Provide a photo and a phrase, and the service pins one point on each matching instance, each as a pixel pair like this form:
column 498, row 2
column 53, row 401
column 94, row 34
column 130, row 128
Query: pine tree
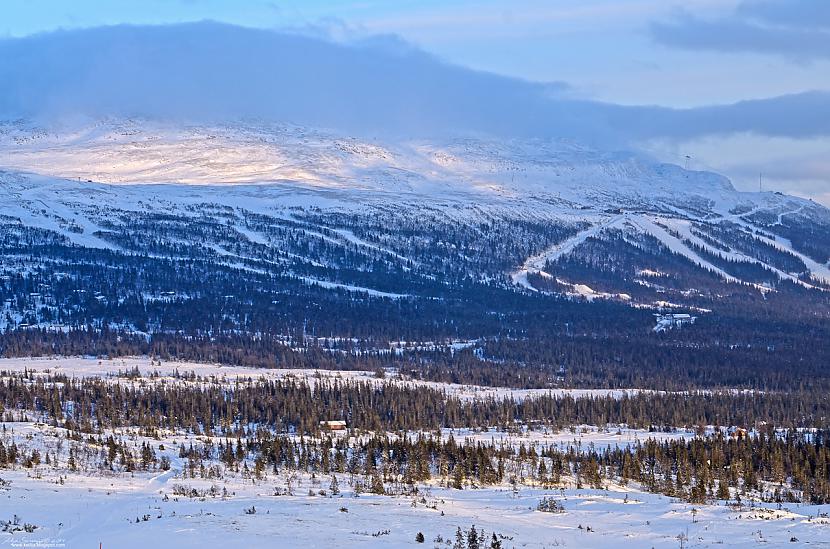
column 459, row 539
column 472, row 538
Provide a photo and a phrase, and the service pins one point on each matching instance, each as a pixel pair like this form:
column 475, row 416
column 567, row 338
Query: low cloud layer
column 212, row 71
column 806, row 14
column 795, row 29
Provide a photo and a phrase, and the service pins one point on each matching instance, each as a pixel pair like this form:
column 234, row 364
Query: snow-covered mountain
column 385, row 219
column 480, row 170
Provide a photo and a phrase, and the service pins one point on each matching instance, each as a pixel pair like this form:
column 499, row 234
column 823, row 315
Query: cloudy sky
column 741, row 86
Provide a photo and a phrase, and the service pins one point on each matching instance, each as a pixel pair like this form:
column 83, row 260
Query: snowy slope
column 153, row 152
column 60, row 178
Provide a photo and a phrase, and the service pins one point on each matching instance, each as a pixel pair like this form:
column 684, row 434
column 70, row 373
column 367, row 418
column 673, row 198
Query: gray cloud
column 801, row 115
column 796, row 29
column 211, row 71
column 805, row 14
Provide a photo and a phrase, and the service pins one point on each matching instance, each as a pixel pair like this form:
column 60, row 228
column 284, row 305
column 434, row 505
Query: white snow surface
column 88, row 510
column 275, row 164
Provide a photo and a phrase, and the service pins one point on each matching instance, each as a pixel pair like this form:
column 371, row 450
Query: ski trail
column 536, row 263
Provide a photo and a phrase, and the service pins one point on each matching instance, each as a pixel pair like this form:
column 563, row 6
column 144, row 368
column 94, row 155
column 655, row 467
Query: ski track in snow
column 537, row 263
column 351, row 288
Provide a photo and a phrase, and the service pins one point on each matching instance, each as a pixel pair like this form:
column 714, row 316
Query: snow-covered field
column 85, row 512
column 93, row 367
column 88, row 507
column 141, row 510
column 582, row 438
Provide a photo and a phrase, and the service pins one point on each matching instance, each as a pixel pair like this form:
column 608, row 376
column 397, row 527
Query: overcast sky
column 742, row 86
